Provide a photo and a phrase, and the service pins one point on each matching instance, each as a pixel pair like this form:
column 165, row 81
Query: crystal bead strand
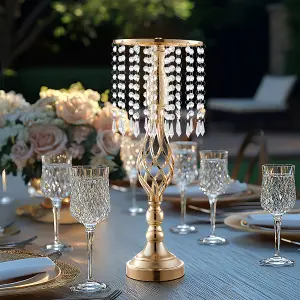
column 178, row 89
column 121, row 88
column 130, row 86
column 147, row 63
column 166, row 113
column 170, row 74
column 152, row 95
column 189, row 89
column 114, row 87
column 136, row 87
column 200, row 129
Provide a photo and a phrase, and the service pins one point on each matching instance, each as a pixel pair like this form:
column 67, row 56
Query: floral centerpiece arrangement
column 74, row 119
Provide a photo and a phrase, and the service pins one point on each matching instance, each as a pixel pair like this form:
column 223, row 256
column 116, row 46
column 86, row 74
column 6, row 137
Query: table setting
column 193, row 233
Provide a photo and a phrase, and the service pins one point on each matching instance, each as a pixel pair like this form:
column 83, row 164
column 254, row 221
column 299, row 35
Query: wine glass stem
column 277, row 228
column 213, row 204
column 183, row 206
column 133, row 181
column 56, row 203
column 90, row 230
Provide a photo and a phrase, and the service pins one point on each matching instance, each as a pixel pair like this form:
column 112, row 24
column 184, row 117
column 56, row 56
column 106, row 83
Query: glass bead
column 136, row 129
column 178, row 128
column 178, row 51
column 171, row 130
column 115, row 48
column 136, row 106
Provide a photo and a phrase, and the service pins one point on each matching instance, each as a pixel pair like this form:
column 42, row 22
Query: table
column 212, row 272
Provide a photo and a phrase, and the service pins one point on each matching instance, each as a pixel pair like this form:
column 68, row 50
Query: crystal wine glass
column 213, row 180
column 89, row 205
column 185, row 172
column 55, row 184
column 278, row 195
column 130, row 148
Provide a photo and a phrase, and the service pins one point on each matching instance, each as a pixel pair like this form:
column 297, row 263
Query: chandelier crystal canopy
column 140, row 67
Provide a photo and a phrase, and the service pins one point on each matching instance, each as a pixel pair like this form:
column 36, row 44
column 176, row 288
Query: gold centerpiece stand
column 155, row 262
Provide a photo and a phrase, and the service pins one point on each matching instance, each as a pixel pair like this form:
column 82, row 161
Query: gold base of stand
column 158, row 264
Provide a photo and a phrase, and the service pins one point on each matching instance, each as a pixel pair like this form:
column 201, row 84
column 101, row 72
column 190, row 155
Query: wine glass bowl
column 278, row 195
column 213, row 181
column 185, row 172
column 55, row 184
column 89, row 205
column 130, row 148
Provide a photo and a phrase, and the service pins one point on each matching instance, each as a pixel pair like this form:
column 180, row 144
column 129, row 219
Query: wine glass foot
column 134, row 210
column 57, row 247
column 213, row 240
column 277, row 261
column 183, row 229
column 90, row 287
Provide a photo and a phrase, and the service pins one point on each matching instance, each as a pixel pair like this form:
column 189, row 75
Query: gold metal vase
column 155, row 262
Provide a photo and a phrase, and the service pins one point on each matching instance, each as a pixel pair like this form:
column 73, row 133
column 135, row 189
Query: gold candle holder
column 155, row 262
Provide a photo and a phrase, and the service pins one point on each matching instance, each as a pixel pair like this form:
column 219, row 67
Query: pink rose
column 47, row 139
column 108, row 142
column 76, row 151
column 77, row 109
column 103, row 120
column 20, row 153
column 80, row 133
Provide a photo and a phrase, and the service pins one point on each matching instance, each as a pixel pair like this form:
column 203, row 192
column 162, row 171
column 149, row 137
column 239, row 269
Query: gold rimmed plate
column 26, row 281
column 251, row 194
column 238, row 221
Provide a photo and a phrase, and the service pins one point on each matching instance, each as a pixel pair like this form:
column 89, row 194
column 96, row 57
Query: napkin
column 195, row 191
column 288, row 220
column 22, row 267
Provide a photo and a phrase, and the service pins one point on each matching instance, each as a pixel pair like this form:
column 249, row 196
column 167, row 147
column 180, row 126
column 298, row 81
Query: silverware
column 219, row 211
column 9, row 245
column 112, row 296
column 245, row 224
column 291, row 242
column 9, row 224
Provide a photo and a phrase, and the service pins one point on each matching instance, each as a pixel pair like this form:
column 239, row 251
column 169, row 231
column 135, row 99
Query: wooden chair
column 261, row 157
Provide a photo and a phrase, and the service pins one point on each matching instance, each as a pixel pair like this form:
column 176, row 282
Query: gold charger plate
column 234, row 221
column 63, row 275
column 45, row 215
column 30, row 280
column 251, row 194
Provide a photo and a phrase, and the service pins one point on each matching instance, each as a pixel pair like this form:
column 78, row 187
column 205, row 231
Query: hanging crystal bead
column 202, row 129
column 146, row 124
column 171, row 131
column 114, row 126
column 131, row 125
column 122, row 126
column 198, row 129
column 166, row 126
column 178, row 128
column 136, row 130
column 187, row 130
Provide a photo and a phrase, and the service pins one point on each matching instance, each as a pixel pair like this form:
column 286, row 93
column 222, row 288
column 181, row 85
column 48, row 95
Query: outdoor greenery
column 23, row 21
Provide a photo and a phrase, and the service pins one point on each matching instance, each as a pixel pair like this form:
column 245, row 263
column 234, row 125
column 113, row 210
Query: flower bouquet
column 74, row 119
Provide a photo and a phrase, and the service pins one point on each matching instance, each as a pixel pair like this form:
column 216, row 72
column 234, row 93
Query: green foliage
column 81, row 18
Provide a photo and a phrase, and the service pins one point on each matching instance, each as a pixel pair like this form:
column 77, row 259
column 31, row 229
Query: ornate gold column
column 155, row 262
